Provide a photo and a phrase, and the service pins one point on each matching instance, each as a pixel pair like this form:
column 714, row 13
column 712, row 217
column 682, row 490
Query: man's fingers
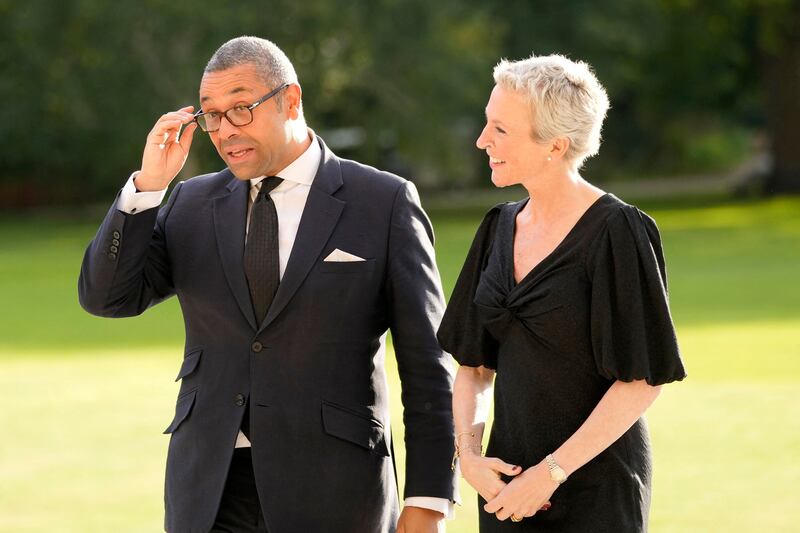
column 165, row 130
column 184, row 113
column 187, row 135
column 174, row 119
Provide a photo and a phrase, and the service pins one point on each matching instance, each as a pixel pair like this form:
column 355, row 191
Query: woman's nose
column 482, row 142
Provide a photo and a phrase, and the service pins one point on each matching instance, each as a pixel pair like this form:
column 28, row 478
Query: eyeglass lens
column 237, row 116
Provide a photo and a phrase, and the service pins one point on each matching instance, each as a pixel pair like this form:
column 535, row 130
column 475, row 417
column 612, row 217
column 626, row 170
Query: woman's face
column 514, row 156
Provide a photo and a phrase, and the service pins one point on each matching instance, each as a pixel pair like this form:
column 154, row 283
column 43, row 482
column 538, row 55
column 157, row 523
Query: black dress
column 592, row 312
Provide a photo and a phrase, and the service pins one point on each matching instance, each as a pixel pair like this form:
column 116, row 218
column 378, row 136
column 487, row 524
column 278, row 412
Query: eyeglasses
column 240, row 115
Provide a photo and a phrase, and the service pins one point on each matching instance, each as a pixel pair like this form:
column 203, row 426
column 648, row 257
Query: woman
column 562, row 304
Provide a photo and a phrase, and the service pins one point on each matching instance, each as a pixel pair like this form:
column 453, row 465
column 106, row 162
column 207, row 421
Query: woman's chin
column 500, row 181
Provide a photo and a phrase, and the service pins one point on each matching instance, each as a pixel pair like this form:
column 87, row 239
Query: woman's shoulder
column 624, row 233
column 505, row 207
column 487, row 231
column 496, row 213
column 616, row 216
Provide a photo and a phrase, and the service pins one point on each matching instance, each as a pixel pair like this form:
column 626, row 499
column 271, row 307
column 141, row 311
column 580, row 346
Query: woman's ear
column 558, row 149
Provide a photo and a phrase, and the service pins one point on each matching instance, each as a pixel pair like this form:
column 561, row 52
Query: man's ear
column 292, row 99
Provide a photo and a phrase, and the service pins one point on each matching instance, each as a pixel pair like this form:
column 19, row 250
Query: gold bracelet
column 470, row 433
column 458, row 449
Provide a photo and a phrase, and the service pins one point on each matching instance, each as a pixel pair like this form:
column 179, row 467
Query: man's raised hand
column 166, row 149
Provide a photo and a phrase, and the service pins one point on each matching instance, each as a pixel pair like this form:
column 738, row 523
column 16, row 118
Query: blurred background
column 702, row 134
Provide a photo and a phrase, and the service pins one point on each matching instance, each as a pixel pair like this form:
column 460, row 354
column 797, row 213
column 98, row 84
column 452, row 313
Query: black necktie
column 261, row 260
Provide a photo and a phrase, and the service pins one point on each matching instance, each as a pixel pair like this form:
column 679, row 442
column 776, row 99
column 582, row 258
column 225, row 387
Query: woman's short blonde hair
column 565, row 98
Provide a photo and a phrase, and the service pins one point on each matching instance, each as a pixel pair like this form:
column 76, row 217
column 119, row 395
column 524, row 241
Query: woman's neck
column 559, row 194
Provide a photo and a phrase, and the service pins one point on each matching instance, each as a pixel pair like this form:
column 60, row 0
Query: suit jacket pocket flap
column 189, row 365
column 359, row 429
column 182, row 410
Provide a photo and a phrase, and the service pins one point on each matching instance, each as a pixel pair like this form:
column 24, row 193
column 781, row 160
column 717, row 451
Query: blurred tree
column 84, row 80
column 778, row 56
column 396, row 83
column 743, row 57
column 687, row 78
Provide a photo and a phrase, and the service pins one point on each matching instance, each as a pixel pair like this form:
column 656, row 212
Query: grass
column 85, row 399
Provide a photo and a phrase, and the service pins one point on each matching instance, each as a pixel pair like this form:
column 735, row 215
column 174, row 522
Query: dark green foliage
column 84, row 80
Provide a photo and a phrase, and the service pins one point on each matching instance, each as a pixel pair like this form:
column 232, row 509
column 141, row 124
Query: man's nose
column 226, row 129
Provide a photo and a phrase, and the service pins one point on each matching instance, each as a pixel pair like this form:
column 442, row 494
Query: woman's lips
column 494, row 162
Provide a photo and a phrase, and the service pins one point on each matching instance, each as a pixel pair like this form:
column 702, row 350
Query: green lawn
column 85, row 399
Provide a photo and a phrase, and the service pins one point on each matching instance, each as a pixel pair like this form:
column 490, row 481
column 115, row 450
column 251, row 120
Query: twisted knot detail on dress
column 502, row 301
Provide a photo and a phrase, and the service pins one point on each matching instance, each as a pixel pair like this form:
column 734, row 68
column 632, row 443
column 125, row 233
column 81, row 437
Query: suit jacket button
column 115, row 242
column 114, row 249
column 240, row 400
column 116, row 235
column 112, row 256
column 257, row 347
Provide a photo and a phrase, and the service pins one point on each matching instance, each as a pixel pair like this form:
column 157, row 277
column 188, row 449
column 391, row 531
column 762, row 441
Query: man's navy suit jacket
column 313, row 371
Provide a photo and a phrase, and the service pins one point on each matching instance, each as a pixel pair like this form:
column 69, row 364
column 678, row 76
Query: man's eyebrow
column 232, row 91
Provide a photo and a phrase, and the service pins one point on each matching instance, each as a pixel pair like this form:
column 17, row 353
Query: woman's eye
column 500, row 130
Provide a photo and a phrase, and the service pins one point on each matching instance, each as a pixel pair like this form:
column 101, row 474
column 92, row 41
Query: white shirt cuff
column 131, row 202
column 442, row 505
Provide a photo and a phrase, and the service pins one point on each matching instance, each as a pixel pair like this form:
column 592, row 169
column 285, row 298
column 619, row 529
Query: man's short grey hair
column 565, row 98
column 271, row 63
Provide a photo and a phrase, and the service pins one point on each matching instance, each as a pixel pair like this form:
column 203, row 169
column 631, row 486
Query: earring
column 549, row 158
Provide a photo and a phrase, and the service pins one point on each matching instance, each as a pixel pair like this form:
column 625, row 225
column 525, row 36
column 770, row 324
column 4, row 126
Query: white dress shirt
column 290, row 200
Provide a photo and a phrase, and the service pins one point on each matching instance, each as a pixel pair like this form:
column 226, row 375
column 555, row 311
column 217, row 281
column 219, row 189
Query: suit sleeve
column 126, row 268
column 416, row 305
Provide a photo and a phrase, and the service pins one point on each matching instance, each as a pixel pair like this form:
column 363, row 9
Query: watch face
column 558, row 475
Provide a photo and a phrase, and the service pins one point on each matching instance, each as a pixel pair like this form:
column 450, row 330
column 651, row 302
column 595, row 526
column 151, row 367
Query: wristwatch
column 557, row 473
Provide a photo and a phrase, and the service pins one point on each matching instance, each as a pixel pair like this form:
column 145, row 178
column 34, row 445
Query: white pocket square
column 340, row 256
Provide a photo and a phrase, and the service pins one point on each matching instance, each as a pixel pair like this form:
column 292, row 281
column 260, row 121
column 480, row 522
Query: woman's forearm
column 471, row 402
column 621, row 406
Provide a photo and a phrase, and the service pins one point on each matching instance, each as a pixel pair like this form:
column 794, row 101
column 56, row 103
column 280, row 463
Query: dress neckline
column 561, row 244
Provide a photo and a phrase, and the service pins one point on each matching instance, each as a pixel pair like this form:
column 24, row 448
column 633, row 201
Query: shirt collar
column 303, row 169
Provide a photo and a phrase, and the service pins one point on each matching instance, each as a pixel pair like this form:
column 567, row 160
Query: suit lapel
column 230, row 215
column 320, row 215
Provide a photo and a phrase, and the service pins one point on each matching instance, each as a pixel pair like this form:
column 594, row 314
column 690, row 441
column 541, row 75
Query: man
column 289, row 265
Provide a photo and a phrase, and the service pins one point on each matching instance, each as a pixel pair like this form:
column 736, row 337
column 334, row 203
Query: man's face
column 259, row 148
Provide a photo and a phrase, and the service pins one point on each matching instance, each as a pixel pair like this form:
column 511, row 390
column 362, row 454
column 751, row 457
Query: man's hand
column 419, row 520
column 165, row 153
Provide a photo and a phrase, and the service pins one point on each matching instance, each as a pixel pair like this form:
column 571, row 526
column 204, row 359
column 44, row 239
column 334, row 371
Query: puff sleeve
column 461, row 332
column 632, row 333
